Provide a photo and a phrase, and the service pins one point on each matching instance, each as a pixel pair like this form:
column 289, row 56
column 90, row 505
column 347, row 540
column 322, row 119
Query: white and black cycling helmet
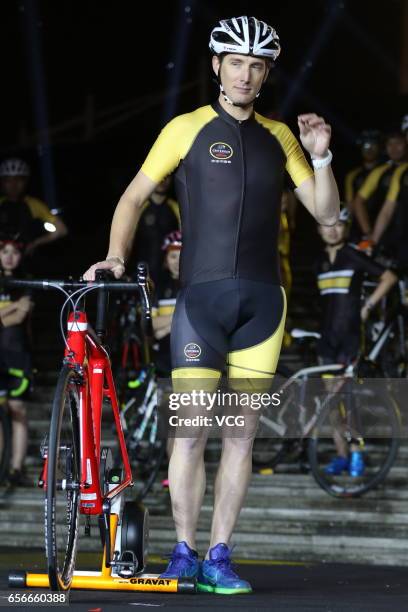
column 245, row 36
column 14, row 167
column 404, row 124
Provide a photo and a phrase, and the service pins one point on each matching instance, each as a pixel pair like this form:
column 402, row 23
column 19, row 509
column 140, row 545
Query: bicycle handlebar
column 70, row 285
column 141, row 286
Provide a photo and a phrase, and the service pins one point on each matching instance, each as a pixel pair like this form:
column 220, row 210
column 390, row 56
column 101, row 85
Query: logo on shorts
column 221, row 152
column 192, row 351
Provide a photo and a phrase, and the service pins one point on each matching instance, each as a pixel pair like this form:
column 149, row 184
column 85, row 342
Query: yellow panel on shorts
column 187, row 379
column 259, row 361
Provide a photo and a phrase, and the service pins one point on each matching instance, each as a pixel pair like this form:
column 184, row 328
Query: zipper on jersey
column 241, row 205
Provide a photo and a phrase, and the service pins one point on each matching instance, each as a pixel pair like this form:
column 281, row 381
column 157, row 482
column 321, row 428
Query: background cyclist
column 15, row 358
column 20, row 212
column 372, row 193
column 340, row 273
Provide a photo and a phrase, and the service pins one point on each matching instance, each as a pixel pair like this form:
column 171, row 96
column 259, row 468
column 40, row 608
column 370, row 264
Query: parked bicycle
column 315, row 409
column 78, row 476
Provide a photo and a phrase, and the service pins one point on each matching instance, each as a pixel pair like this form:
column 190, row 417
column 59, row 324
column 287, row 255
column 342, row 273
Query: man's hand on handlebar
column 115, row 264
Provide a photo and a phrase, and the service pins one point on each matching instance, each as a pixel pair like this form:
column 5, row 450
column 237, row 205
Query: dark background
column 84, row 84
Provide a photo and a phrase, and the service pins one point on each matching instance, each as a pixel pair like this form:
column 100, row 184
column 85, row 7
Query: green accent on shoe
column 207, row 588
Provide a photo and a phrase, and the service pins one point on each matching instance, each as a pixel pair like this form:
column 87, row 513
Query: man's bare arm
column 319, row 194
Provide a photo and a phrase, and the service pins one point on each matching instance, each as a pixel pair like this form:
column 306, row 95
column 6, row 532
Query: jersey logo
column 192, row 351
column 221, row 152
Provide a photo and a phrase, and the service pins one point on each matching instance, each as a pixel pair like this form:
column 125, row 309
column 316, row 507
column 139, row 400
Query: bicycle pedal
column 126, row 565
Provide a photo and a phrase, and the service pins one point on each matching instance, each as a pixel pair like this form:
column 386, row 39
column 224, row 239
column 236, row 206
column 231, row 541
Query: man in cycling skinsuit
column 230, row 166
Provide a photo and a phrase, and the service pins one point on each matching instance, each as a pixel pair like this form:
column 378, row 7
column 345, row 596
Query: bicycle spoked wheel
column 279, row 433
column 145, row 439
column 370, row 425
column 62, row 482
column 5, row 441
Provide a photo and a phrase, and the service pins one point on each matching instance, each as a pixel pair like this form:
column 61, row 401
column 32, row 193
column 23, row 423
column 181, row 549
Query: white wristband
column 322, row 163
column 122, row 261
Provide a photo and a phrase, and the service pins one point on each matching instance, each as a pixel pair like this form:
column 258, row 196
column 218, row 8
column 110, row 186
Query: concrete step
column 298, row 522
column 300, row 548
column 259, row 505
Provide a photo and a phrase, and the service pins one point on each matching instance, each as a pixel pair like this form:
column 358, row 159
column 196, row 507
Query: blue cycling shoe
column 217, row 576
column 183, row 562
column 357, row 465
column 337, row 466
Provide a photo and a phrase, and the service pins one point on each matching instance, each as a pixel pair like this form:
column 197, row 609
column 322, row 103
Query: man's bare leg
column 187, row 483
column 231, row 483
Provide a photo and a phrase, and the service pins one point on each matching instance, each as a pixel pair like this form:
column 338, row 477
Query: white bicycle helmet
column 14, row 167
column 245, row 36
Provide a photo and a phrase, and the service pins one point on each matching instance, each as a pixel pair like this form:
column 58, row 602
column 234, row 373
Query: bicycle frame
column 86, row 355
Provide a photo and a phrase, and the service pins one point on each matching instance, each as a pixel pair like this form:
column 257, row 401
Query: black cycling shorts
column 233, row 322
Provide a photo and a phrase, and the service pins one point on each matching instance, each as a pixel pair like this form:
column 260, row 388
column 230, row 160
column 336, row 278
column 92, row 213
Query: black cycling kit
column 15, row 357
column 339, row 285
column 229, row 181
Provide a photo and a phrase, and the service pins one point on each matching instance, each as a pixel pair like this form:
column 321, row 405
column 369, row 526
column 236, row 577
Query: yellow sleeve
column 165, row 154
column 39, row 210
column 296, row 164
column 395, row 184
column 371, row 182
column 174, row 142
column 348, row 184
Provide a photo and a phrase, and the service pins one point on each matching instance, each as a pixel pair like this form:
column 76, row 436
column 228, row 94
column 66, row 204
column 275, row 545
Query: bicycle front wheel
column 62, row 482
column 370, row 426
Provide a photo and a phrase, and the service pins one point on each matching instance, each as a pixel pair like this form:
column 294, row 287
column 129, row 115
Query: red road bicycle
column 79, row 476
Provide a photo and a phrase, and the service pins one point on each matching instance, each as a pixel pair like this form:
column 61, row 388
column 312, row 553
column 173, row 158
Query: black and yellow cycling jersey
column 398, row 192
column 398, row 189
column 165, row 295
column 374, row 191
column 339, row 283
column 36, row 208
column 375, row 187
column 19, row 217
column 156, row 221
column 354, row 180
column 229, row 182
